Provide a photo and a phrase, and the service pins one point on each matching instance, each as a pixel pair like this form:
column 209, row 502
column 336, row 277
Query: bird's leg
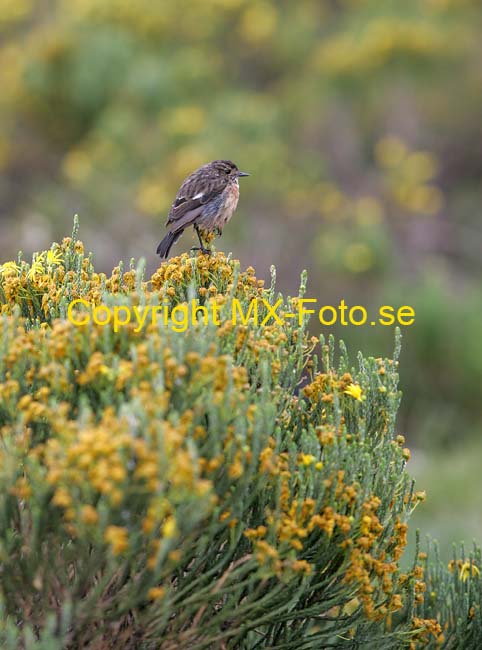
column 204, row 251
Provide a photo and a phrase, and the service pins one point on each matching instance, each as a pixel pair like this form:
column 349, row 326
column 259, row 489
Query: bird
column 206, row 200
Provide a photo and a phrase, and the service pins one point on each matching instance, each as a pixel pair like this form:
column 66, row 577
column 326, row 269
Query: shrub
column 226, row 487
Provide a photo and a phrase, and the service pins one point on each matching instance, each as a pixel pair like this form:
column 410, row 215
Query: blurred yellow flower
column 421, row 166
column 169, row 528
column 152, row 197
column 155, row 593
column 390, row 151
column 14, row 10
column 116, row 536
column 465, row 571
column 355, row 391
column 358, row 257
column 374, row 46
column 76, row 166
column 62, row 498
column 259, row 22
column 425, row 199
column 368, row 211
column 89, row 515
column 186, row 120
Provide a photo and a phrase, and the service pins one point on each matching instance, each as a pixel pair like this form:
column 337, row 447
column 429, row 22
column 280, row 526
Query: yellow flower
column 465, row 571
column 10, row 268
column 36, row 269
column 116, row 536
column 89, row 515
column 186, row 120
column 54, row 258
column 169, row 528
column 355, row 391
column 62, row 498
column 22, row 489
column 258, row 23
column 358, row 257
column 390, row 151
column 155, row 593
column 307, row 459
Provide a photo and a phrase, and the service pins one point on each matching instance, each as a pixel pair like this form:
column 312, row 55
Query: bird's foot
column 204, row 251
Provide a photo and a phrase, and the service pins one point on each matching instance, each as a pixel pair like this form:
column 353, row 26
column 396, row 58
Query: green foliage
column 453, row 596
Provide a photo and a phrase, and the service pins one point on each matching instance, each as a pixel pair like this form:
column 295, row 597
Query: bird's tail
column 165, row 245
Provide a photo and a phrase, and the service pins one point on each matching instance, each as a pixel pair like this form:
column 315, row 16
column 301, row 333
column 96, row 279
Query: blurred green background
column 360, row 123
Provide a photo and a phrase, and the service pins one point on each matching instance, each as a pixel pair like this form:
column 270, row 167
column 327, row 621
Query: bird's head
column 226, row 168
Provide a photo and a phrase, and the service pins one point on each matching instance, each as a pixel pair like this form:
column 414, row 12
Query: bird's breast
column 232, row 197
column 225, row 207
column 219, row 211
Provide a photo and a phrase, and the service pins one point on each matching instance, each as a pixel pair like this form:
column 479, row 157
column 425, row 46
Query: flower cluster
column 382, row 39
column 408, row 176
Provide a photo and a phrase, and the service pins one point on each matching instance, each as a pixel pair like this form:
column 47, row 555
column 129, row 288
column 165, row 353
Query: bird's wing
column 190, row 199
column 180, row 222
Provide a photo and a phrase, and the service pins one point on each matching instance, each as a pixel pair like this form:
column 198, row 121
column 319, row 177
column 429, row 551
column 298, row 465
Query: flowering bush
column 225, row 487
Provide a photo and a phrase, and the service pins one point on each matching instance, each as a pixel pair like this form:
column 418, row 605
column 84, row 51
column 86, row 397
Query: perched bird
column 206, row 200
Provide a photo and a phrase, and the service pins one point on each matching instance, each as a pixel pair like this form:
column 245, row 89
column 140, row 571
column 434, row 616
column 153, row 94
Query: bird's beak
column 243, row 174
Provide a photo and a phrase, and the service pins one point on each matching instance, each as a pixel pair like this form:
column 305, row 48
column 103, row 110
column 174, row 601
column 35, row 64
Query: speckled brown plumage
column 206, row 200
